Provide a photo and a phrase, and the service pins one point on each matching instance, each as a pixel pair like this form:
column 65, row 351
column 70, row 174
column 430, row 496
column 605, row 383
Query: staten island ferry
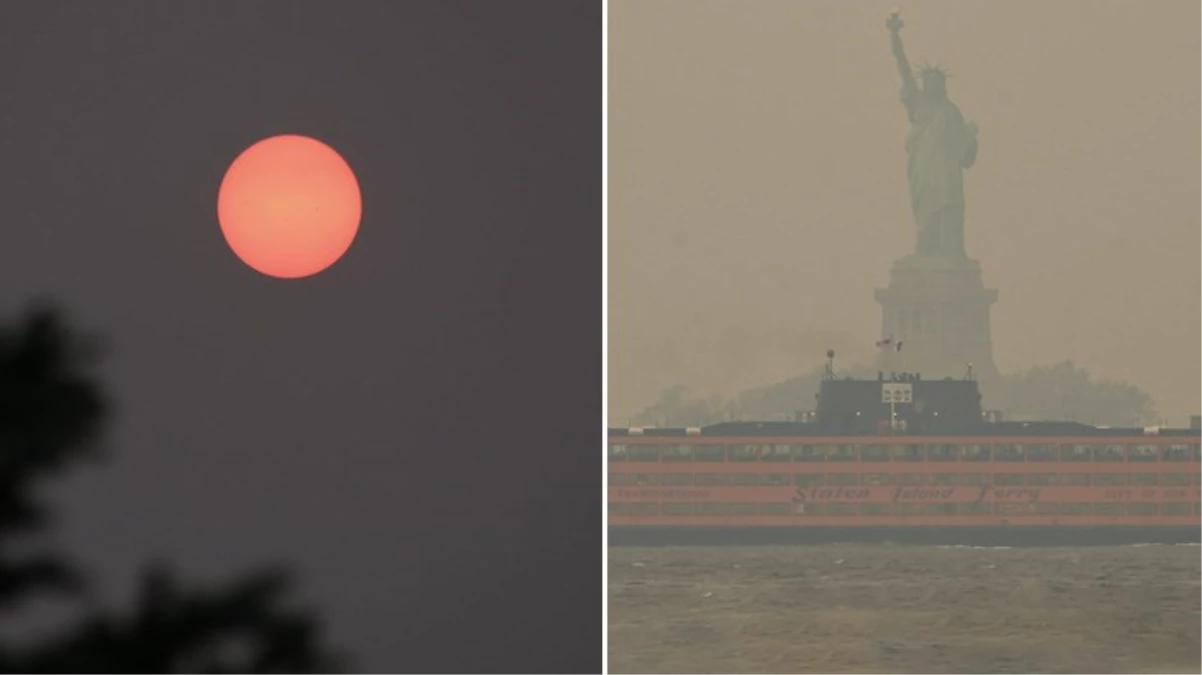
column 903, row 459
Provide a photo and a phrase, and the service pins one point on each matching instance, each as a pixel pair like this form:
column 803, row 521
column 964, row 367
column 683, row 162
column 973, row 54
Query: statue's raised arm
column 894, row 24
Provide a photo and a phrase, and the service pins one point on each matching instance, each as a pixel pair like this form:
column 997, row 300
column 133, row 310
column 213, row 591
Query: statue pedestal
column 939, row 308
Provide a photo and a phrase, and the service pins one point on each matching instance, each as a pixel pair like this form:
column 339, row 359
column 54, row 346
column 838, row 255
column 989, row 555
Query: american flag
column 889, row 343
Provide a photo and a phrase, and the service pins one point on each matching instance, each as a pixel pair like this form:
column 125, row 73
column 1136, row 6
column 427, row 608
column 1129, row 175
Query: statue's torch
column 894, row 23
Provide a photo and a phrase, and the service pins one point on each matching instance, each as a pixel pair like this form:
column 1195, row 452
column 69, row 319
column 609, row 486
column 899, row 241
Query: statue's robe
column 939, row 147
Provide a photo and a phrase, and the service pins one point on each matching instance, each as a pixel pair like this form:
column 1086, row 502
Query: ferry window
column 1174, row 479
column 1142, row 479
column 1076, row 479
column 936, row 509
column 742, row 509
column 944, row 479
column 620, row 508
column 744, row 479
column 907, row 453
column 841, row 453
column 1143, row 509
column 776, row 453
column 807, row 479
column 1108, row 453
column 1075, row 453
column 875, row 509
column 1143, row 453
column 646, row 479
column 877, row 479
column 626, row 479
column 1009, row 479
column 874, row 453
column 617, row 453
column 644, row 509
column 941, row 453
column 1046, row 508
column 974, row 509
column 976, row 453
column 709, row 453
column 1198, row 508
column 1108, row 508
column 1076, row 509
column 643, row 453
column 912, row 479
column 711, row 509
column 1197, row 452
column 842, row 479
column 676, row 479
column 972, row 478
column 1043, row 479
column 744, row 453
column 1197, row 478
column 676, row 453
column 679, row 509
column 803, row 509
column 840, row 509
column 711, row 479
column 809, row 453
column 1175, row 509
column 1008, row 453
column 1012, row 509
column 1176, row 453
column 1110, row 479
column 1041, row 453
column 776, row 509
column 776, row 479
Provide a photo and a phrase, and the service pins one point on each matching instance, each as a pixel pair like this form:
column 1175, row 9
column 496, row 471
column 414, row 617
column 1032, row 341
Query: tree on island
column 674, row 408
column 1066, row 392
column 1059, row 392
column 52, row 416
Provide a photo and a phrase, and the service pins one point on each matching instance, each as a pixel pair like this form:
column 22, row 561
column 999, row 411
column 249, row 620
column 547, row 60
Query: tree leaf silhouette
column 53, row 414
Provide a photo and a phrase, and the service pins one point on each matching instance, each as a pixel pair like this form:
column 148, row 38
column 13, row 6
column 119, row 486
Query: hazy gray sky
column 758, row 193
column 369, row 426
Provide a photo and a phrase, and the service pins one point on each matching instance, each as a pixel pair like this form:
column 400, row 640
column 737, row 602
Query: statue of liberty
column 940, row 146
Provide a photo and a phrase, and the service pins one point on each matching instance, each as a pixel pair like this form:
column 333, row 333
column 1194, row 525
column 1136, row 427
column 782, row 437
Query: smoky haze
column 758, row 191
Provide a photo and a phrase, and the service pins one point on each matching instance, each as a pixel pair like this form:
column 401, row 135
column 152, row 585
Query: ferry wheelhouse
column 903, row 459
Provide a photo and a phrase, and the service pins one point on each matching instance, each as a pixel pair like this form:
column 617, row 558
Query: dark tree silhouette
column 52, row 415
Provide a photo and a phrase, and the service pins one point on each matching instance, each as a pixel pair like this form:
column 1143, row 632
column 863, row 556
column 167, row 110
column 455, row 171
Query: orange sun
column 289, row 206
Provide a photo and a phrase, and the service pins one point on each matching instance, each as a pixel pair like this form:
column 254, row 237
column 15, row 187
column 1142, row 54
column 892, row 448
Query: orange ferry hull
column 927, row 466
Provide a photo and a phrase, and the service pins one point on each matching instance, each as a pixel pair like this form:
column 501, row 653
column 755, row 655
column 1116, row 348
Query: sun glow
column 289, row 206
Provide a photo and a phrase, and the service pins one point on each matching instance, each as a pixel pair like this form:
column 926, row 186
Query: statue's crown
column 929, row 69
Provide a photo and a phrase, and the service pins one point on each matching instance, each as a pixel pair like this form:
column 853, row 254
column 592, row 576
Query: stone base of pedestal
column 939, row 309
